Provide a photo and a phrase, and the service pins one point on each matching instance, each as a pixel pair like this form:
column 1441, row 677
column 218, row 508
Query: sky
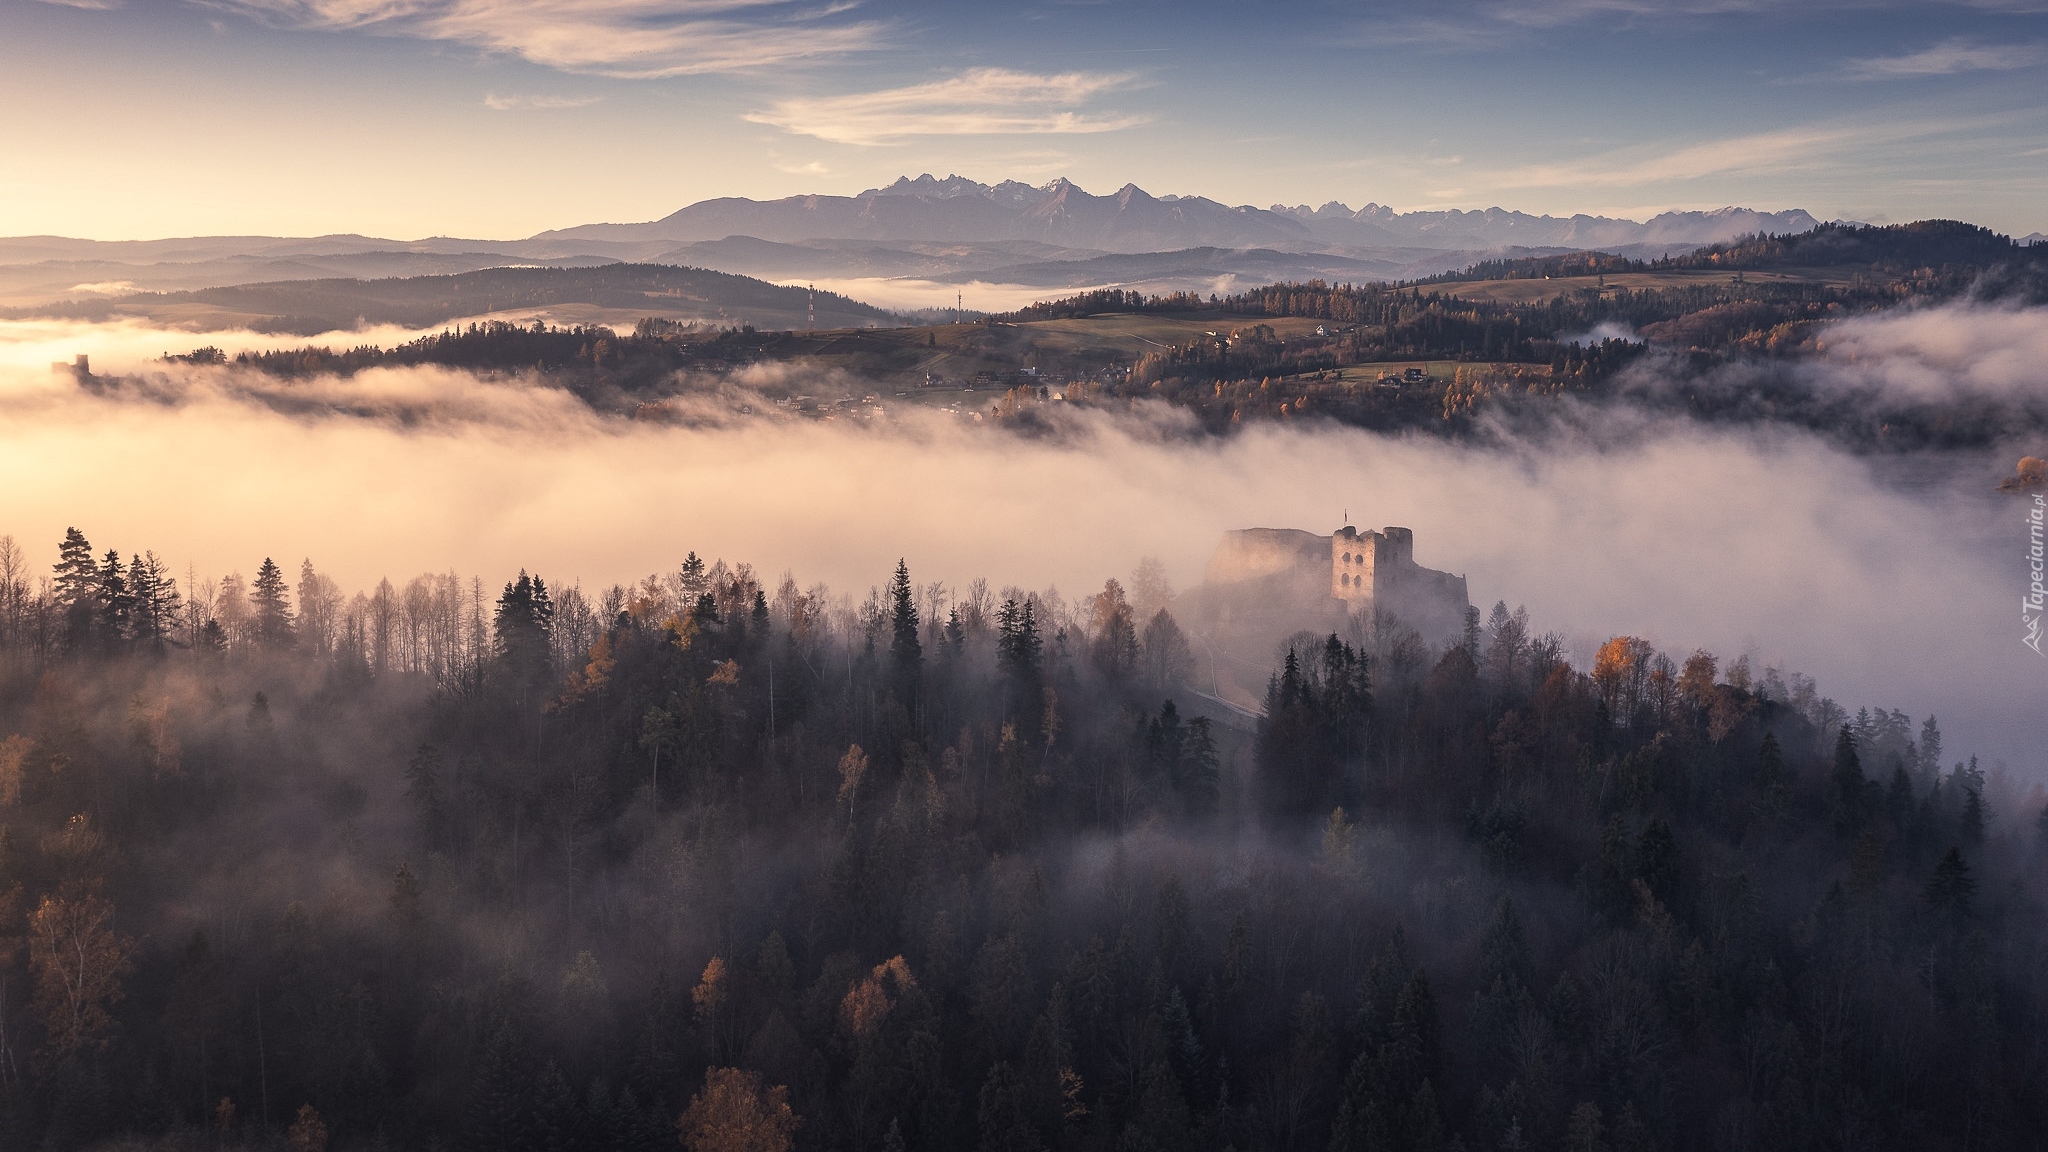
column 134, row 119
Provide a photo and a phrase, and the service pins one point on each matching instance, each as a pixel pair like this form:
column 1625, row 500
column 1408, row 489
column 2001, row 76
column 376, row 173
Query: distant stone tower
column 1365, row 564
column 1361, row 570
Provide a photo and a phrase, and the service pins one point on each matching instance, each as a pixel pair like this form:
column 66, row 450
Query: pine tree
column 1848, row 787
column 1504, row 948
column 154, row 597
column 522, row 628
column 77, row 588
column 1770, row 775
column 1952, row 889
column 1898, row 798
column 692, row 580
column 1018, row 654
column 113, row 603
column 1971, row 826
column 272, row 607
column 906, row 652
column 1003, row 1114
column 1930, row 748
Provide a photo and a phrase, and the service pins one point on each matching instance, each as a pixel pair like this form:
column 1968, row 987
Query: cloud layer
column 628, row 39
column 978, row 102
column 1947, row 58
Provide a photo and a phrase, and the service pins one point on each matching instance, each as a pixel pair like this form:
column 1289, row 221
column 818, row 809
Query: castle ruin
column 1362, row 571
column 1264, row 587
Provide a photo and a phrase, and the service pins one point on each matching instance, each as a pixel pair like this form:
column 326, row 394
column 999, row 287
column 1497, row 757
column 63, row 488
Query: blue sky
column 497, row 118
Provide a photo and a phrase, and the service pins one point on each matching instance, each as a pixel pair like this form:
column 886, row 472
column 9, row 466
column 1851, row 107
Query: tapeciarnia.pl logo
column 2036, row 602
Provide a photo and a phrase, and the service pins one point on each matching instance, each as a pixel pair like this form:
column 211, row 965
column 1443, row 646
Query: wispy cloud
column 1558, row 13
column 1481, row 25
column 629, row 39
column 1948, row 58
column 518, row 103
column 978, row 102
column 1780, row 150
column 88, row 5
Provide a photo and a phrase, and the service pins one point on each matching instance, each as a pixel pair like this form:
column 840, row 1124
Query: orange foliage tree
column 78, row 961
column 734, row 1114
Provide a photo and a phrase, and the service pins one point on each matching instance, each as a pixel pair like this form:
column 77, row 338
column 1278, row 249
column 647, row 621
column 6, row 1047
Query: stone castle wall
column 1361, row 569
column 1249, row 553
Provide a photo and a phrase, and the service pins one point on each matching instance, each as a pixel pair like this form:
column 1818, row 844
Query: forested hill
column 438, row 865
column 312, row 306
column 1888, row 251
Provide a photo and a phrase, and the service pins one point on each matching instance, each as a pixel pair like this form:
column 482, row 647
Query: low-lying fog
column 1893, row 594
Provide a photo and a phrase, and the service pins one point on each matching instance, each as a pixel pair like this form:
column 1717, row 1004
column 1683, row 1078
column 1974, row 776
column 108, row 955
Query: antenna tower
column 811, row 322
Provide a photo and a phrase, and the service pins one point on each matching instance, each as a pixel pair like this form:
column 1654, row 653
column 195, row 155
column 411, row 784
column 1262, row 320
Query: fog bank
column 1773, row 544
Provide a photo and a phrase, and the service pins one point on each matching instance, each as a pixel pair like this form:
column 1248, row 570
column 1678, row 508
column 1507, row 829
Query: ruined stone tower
column 1361, row 570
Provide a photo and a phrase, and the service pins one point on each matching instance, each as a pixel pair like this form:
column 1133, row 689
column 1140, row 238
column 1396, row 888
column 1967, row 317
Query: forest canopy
column 705, row 862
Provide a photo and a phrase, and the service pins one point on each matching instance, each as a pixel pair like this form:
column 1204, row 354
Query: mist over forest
column 437, row 757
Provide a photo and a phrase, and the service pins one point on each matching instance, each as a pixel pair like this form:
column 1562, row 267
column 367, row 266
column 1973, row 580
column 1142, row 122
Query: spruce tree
column 1952, row 890
column 906, row 652
column 522, row 628
column 1848, row 787
column 273, row 608
column 77, row 587
column 154, row 597
column 113, row 603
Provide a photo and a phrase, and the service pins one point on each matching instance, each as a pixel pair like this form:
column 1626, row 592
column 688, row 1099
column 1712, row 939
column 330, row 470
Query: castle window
column 1346, row 578
column 1347, row 557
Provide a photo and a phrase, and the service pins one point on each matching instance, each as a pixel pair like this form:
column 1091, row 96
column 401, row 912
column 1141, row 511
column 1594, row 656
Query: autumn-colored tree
column 13, row 750
column 78, row 961
column 308, row 1132
column 1620, row 668
column 869, row 1000
column 735, row 1114
column 852, row 767
column 1696, row 679
column 711, row 992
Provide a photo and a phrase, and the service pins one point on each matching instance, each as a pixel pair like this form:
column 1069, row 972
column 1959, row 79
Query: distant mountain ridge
column 1132, row 220
column 1453, row 228
column 920, row 229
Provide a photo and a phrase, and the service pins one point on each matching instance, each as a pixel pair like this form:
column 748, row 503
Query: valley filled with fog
column 1894, row 579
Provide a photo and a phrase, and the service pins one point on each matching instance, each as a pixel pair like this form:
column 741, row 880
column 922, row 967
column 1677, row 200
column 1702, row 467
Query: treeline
column 308, row 307
column 763, row 869
column 1890, row 248
column 491, row 345
column 1105, row 301
column 641, row 361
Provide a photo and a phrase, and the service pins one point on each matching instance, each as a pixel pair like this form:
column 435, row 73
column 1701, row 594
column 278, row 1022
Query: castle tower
column 1360, row 561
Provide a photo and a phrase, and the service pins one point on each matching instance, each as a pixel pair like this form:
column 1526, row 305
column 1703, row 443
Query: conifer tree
column 77, row 587
column 154, row 599
column 1848, row 787
column 114, row 604
column 1952, row 889
column 906, row 652
column 273, row 609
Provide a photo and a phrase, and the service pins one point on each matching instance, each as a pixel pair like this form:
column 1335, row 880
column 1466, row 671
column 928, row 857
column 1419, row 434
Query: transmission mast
column 811, row 321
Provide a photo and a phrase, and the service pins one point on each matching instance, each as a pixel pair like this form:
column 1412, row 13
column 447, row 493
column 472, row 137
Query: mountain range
column 921, row 230
column 1133, row 220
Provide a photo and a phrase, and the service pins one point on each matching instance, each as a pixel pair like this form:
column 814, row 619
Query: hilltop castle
column 1362, row 570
